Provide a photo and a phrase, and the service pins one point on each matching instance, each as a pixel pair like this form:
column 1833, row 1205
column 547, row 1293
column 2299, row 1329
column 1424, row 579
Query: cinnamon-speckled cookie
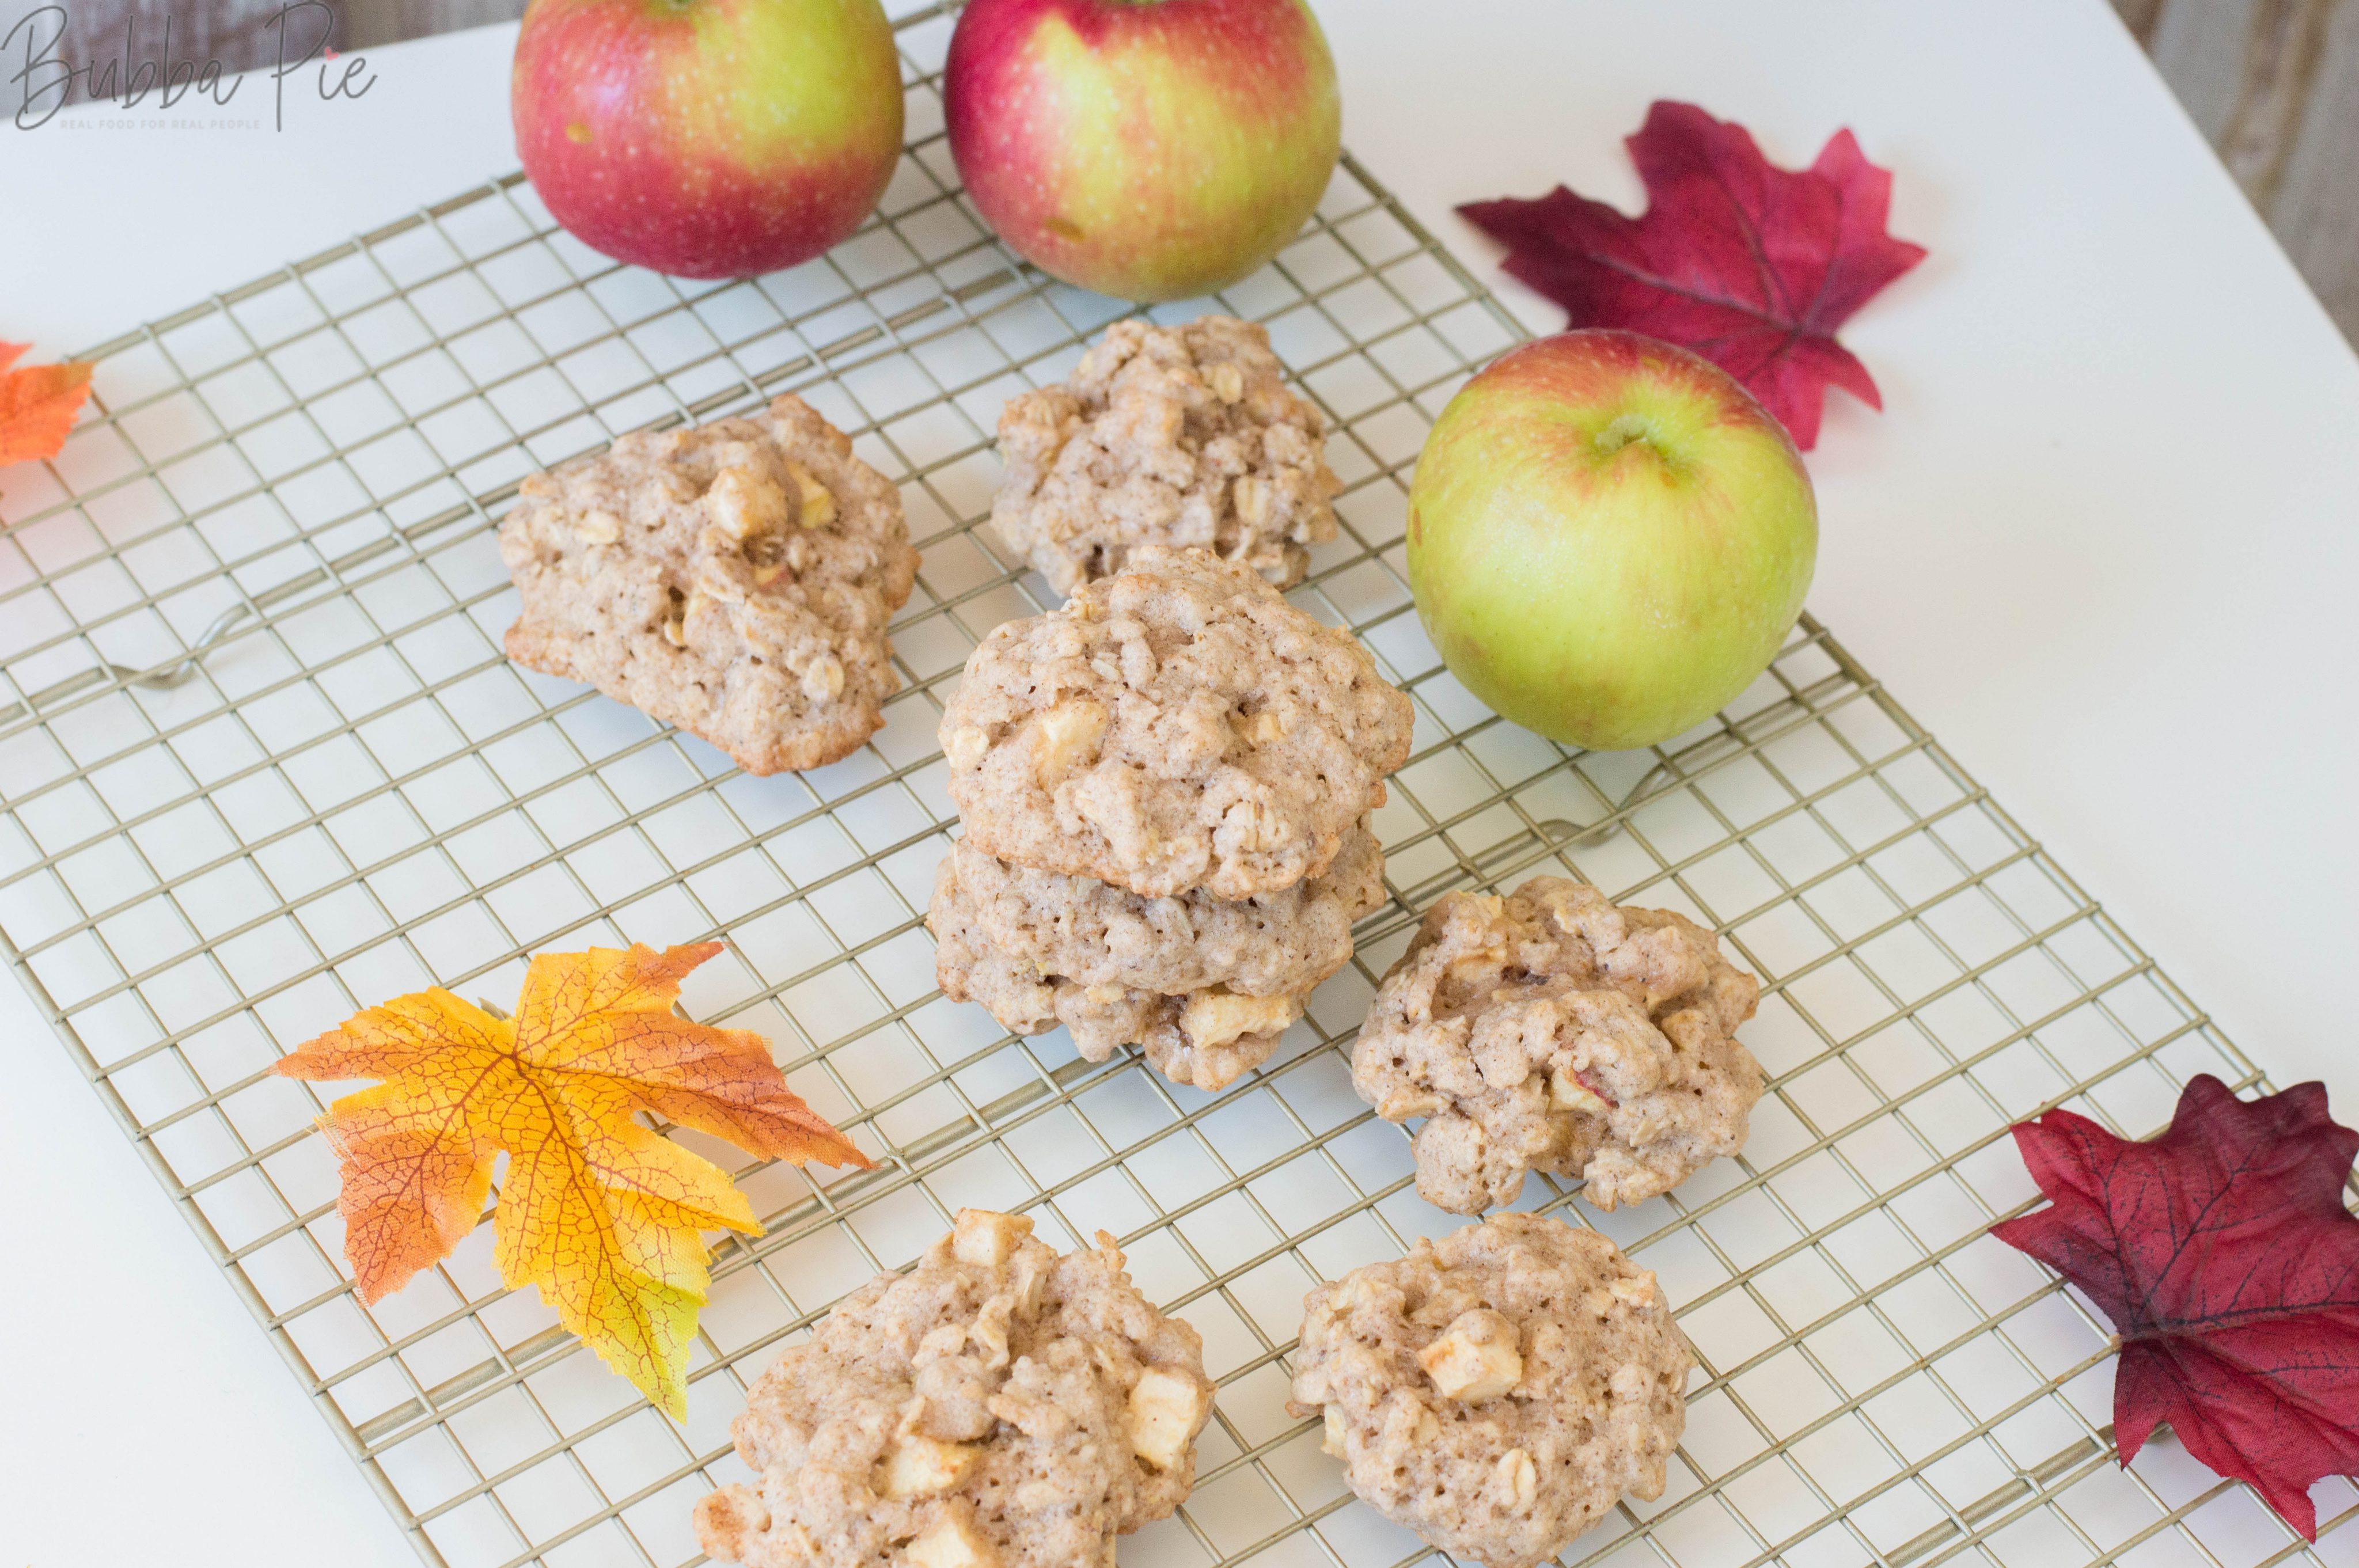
column 998, row 1406
column 732, row 578
column 1175, row 726
column 1205, row 985
column 1497, row 1392
column 1165, row 436
column 1552, row 1030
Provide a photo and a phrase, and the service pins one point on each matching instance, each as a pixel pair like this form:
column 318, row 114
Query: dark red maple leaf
column 1753, row 268
column 2223, row 1254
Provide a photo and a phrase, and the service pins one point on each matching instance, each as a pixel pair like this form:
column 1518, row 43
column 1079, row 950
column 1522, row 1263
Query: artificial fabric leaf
column 38, row 405
column 2224, row 1255
column 596, row 1209
column 1753, row 268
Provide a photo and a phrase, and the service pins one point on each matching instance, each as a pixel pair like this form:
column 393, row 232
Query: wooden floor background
column 2273, row 83
column 2275, row 86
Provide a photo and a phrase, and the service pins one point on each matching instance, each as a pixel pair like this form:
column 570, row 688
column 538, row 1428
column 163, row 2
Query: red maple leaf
column 1753, row 268
column 2223, row 1254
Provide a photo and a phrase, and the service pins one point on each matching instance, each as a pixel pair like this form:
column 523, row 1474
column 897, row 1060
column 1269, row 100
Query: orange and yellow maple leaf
column 596, row 1209
column 38, row 405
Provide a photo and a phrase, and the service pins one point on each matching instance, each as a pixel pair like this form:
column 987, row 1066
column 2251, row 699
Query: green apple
column 1608, row 537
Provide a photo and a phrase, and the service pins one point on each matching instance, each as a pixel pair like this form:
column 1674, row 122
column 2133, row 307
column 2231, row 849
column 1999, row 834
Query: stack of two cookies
column 1164, row 786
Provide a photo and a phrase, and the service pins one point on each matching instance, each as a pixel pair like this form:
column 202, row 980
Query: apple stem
column 1626, row 428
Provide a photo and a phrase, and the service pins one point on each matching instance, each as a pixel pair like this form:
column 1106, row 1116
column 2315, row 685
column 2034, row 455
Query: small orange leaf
column 596, row 1210
column 38, row 405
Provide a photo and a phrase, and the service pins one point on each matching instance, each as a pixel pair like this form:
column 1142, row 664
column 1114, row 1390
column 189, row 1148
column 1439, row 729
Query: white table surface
column 2101, row 541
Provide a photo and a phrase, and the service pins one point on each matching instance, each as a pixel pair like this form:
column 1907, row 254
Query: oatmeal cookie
column 732, row 578
column 1495, row 1392
column 1175, row 726
column 998, row 1406
column 1165, row 436
column 1553, row 1031
column 1205, row 985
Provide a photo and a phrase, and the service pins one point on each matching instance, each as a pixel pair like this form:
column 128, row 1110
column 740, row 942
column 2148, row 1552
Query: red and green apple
column 708, row 138
column 1608, row 537
column 1147, row 149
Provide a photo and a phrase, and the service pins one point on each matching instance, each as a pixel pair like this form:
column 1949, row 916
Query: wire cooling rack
column 263, row 763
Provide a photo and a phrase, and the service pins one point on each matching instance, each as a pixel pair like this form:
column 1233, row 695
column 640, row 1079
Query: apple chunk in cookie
column 998, row 1406
column 1179, row 725
column 1166, row 436
column 1498, row 1389
column 1552, row 1030
column 732, row 578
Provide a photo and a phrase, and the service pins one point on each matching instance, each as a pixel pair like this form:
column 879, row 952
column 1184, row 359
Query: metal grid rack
column 263, row 763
